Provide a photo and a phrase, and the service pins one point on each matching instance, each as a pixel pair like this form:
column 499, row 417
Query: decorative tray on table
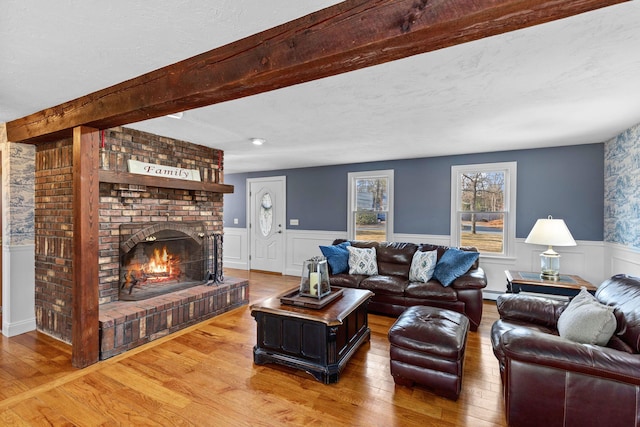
column 294, row 298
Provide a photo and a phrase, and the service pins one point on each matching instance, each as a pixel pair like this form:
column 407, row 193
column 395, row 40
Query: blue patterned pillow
column 337, row 257
column 362, row 261
column 453, row 264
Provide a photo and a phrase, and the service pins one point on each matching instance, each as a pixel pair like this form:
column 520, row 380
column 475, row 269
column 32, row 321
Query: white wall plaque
column 151, row 169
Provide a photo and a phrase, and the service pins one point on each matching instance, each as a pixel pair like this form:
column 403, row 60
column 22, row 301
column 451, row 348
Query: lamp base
column 550, row 264
column 550, row 275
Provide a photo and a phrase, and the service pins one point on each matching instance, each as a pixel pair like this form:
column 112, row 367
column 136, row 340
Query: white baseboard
column 236, row 265
column 491, row 295
column 16, row 328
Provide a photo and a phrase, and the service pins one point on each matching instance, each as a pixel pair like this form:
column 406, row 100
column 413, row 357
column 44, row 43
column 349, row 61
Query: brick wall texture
column 119, row 204
column 54, row 238
column 126, row 204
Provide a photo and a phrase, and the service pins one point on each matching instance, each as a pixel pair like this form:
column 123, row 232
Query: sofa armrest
column 538, row 348
column 472, row 279
column 530, row 309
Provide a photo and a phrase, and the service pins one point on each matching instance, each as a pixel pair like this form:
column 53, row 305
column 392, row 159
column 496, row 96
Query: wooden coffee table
column 566, row 285
column 318, row 341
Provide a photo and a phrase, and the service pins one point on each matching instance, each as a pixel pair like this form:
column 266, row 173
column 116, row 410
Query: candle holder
column 314, row 281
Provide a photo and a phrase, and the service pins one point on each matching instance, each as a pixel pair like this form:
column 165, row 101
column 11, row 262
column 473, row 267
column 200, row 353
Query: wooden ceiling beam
column 348, row 36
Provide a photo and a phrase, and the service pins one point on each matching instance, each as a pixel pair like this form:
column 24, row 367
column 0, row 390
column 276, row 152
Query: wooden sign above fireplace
column 151, row 169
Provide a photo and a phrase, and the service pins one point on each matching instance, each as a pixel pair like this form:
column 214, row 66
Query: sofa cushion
column 422, row 266
column 394, row 258
column 362, row 261
column 431, row 290
column 587, row 321
column 337, row 257
column 346, row 280
column 530, row 309
column 389, row 285
column 453, row 264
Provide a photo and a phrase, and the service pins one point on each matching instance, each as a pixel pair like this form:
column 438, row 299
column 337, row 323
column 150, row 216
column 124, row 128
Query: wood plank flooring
column 205, row 376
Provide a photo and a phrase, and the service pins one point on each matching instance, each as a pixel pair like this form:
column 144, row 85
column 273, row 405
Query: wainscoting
column 593, row 261
column 18, row 313
column 621, row 259
column 235, row 248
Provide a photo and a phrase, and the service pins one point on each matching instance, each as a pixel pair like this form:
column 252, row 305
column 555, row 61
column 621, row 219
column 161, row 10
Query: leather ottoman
column 427, row 347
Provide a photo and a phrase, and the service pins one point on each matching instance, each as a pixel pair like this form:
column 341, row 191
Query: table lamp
column 550, row 232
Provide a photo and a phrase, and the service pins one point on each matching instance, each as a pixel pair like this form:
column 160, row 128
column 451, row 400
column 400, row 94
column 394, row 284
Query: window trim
column 351, row 199
column 511, row 174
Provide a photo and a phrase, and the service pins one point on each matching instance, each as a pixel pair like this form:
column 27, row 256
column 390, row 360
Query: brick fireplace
column 161, row 257
column 136, row 223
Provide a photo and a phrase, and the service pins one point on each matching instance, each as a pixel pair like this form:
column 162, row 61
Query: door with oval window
column 266, row 225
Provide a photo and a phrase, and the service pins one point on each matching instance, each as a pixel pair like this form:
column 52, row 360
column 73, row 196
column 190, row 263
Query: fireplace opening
column 159, row 258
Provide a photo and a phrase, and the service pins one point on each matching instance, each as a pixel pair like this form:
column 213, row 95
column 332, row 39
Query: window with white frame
column 370, row 205
column 483, row 207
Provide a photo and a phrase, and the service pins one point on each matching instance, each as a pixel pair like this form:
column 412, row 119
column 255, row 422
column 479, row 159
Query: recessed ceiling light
column 258, row 141
column 176, row 115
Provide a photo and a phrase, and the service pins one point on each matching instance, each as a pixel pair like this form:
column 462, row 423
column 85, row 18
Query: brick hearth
column 127, row 324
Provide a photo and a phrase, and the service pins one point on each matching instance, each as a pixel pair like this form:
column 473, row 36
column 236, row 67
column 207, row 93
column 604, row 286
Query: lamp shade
column 551, row 232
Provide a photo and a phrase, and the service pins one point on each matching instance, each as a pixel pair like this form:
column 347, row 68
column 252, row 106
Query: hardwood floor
column 205, row 376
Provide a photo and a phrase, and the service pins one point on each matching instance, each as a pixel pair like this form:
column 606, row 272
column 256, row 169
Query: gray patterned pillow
column 422, row 266
column 587, row 321
column 362, row 261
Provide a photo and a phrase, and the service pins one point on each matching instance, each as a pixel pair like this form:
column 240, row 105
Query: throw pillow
column 587, row 321
column 337, row 257
column 422, row 266
column 453, row 264
column 362, row 261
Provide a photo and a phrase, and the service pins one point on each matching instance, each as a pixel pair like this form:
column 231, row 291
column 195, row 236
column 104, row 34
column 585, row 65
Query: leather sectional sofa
column 551, row 380
column 394, row 292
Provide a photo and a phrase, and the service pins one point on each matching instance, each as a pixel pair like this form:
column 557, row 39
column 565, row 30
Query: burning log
column 131, row 280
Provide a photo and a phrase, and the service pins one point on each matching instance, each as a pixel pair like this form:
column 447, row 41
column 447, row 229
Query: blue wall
column 566, row 182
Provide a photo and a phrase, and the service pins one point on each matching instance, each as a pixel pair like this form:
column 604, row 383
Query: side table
column 566, row 285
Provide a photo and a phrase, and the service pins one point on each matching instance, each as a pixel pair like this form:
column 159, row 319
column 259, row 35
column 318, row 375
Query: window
column 266, row 214
column 483, row 207
column 370, row 205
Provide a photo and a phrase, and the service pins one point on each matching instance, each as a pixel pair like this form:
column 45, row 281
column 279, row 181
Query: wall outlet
column 294, row 222
column 235, row 220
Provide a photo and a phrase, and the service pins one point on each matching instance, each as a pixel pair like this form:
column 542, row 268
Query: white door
column 266, row 223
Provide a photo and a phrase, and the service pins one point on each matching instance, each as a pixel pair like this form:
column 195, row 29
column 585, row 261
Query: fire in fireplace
column 157, row 258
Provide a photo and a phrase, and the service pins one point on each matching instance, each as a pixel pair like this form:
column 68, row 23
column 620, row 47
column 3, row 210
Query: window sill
column 503, row 259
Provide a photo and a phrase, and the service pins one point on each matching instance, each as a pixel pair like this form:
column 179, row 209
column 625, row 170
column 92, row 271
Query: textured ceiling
column 572, row 81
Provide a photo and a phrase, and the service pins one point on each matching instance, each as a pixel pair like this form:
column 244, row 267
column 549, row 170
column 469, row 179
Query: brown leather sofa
column 551, row 381
column 394, row 292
